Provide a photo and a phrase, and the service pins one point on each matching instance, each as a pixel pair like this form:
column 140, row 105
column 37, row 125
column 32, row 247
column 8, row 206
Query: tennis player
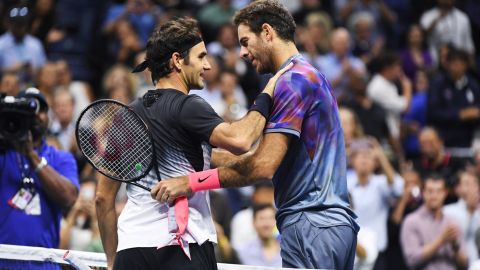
column 302, row 150
column 183, row 128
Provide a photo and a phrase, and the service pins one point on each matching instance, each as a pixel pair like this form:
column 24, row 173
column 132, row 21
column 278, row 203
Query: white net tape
column 83, row 260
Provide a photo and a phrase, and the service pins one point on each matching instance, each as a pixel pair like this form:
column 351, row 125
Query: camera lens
column 34, row 105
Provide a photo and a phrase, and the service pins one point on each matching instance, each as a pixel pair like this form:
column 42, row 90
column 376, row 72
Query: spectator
column 411, row 198
column 415, row 118
column 366, row 252
column 265, row 249
column 410, row 201
column 63, row 126
column 38, row 182
column 215, row 14
column 367, row 45
column 79, row 230
column 446, row 24
column 454, row 104
column 143, row 15
column 415, row 56
column 243, row 230
column 382, row 90
column 380, row 12
column 43, row 18
column 47, row 80
column 318, row 27
column 10, row 84
column 126, row 43
column 234, row 100
column 370, row 114
column 352, row 129
column 224, row 251
column 119, row 82
column 466, row 212
column 19, row 51
column 434, row 159
column 429, row 239
column 226, row 41
column 372, row 193
column 80, row 91
column 340, row 66
column 309, row 7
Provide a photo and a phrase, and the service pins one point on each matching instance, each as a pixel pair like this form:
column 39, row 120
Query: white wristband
column 43, row 163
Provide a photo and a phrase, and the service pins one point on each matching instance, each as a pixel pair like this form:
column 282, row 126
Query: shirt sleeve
column 291, row 101
column 411, row 242
column 386, row 96
column 66, row 165
column 198, row 118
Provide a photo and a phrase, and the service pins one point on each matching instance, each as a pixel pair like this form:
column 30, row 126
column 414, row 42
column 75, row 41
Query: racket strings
column 115, row 140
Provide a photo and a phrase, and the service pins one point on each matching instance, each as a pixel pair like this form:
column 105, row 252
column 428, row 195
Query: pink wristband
column 204, row 180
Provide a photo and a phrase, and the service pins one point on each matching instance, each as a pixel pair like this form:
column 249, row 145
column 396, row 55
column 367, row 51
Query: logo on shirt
column 200, row 180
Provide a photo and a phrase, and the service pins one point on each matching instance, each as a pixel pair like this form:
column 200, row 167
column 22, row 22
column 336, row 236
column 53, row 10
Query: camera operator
column 37, row 182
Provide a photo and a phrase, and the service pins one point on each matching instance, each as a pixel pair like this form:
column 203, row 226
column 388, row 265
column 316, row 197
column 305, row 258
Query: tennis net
column 23, row 257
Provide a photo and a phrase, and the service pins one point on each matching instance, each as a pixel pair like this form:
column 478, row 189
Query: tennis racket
column 116, row 141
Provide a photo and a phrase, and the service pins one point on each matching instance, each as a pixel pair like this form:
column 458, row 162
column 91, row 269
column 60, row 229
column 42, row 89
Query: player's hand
column 166, row 191
column 270, row 87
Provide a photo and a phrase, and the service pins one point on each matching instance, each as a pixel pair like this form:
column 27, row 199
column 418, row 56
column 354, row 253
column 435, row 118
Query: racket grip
column 204, row 180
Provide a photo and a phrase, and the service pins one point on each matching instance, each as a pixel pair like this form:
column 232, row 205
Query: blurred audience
column 20, row 52
column 431, row 240
column 10, row 84
column 466, row 212
column 383, row 90
column 265, row 249
column 445, row 24
column 243, row 230
column 340, row 66
column 63, row 124
column 372, row 194
column 454, row 104
column 434, row 159
column 415, row 56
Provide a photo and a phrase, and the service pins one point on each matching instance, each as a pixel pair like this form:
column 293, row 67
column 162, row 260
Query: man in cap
column 37, row 182
column 20, row 52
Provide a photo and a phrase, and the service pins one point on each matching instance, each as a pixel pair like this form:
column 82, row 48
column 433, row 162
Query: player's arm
column 238, row 137
column 262, row 165
column 107, row 216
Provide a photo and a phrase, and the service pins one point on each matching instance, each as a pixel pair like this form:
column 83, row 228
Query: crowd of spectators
column 405, row 75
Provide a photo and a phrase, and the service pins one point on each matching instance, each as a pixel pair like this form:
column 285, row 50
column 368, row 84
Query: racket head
column 115, row 140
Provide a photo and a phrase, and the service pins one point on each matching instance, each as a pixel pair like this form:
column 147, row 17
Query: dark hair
column 170, row 37
column 259, row 207
column 267, row 11
column 457, row 54
column 435, row 177
column 386, row 60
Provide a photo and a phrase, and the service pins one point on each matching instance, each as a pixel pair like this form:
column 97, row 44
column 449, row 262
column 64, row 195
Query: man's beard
column 264, row 61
